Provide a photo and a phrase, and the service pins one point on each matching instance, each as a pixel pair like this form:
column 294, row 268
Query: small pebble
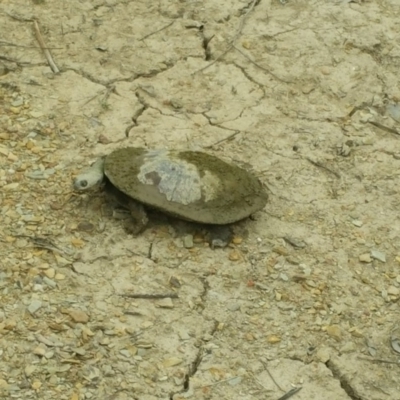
column 184, row 335
column 40, row 350
column 323, row 355
column 233, row 306
column 36, row 385
column 85, row 226
column 357, row 223
column 78, row 316
column 237, row 240
column 15, row 110
column 125, row 353
column 378, row 255
column 334, row 331
column 273, row 339
column 348, row 347
column 29, row 370
column 170, row 362
column 49, row 282
column 235, row 381
column 234, row 255
column 18, row 102
column 393, row 290
column 365, row 258
column 34, row 306
column 165, row 303
column 188, row 241
column 50, row 273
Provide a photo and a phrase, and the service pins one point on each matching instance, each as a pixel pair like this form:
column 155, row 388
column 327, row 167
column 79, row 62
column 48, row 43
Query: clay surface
column 303, row 93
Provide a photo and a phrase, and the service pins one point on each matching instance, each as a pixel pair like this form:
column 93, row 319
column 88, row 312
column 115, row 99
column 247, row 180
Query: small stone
column 29, row 370
column 125, row 353
column 78, row 316
column 281, row 250
column 49, row 282
column 59, row 277
column 357, row 223
column 348, row 347
column 234, row 255
column 40, row 350
column 36, row 385
column 165, row 303
column 249, row 337
column 284, row 277
column 334, row 331
column 378, row 255
column 237, row 240
column 79, row 350
column 393, row 290
column 323, row 355
column 273, row 339
column 11, row 186
column 188, row 241
column 36, row 114
column 184, row 335
column 61, row 261
column 233, row 306
column 170, row 362
column 49, row 354
column 235, row 381
column 34, row 306
column 356, row 333
column 18, row 102
column 15, row 110
column 174, row 282
column 365, row 258
column 50, row 273
column 85, row 226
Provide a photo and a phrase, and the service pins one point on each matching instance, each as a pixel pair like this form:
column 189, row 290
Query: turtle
column 190, row 185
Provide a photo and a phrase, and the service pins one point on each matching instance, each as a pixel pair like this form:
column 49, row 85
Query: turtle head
column 91, row 177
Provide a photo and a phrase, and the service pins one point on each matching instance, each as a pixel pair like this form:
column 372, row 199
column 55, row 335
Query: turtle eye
column 84, row 183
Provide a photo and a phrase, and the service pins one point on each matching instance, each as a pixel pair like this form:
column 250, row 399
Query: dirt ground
column 305, row 94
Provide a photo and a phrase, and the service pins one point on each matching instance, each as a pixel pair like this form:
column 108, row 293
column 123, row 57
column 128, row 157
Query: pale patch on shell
column 177, row 179
column 210, row 185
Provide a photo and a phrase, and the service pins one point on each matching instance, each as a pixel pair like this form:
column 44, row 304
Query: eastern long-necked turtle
column 190, row 185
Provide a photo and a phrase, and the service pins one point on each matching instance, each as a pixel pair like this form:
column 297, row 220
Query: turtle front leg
column 139, row 215
column 219, row 235
column 136, row 209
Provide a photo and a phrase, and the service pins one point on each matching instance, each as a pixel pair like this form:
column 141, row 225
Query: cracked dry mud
column 304, row 93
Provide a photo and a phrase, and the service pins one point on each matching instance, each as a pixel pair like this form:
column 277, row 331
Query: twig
column 229, row 137
column 290, row 393
column 384, row 128
column 270, row 375
column 217, row 383
column 130, row 312
column 320, row 165
column 19, row 17
column 43, row 243
column 379, row 360
column 259, row 66
column 153, row 33
column 3, row 43
column 150, row 296
column 232, row 42
column 45, row 50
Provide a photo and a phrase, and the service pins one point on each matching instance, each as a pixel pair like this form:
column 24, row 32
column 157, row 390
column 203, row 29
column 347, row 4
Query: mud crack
column 344, row 380
column 194, row 365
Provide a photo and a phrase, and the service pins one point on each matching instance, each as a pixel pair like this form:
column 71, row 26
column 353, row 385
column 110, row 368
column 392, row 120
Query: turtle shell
column 191, row 185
